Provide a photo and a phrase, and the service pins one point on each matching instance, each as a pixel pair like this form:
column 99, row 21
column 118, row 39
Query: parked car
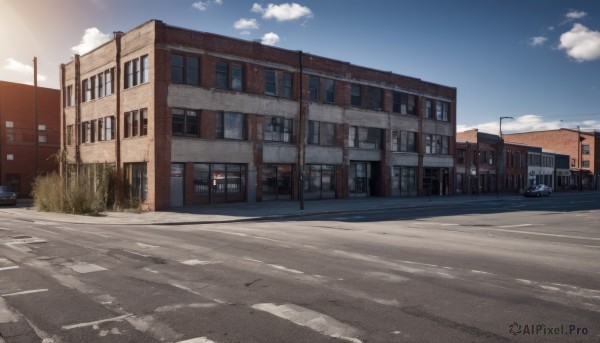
column 538, row 191
column 7, row 196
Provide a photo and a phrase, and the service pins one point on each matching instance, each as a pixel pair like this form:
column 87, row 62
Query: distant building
column 583, row 149
column 480, row 169
column 197, row 118
column 515, row 167
column 19, row 145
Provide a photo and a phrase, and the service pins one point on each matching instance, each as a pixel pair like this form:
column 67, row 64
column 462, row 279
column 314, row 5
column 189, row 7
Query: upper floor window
column 355, row 96
column 106, row 129
column 436, row 144
column 185, row 122
column 313, row 88
column 278, row 83
column 136, row 123
column 436, row 109
column 460, row 156
column 278, row 129
column 87, row 132
column 134, row 75
column 69, row 96
column 365, row 137
column 404, row 141
column 230, row 125
column 404, row 103
column 108, row 84
column 374, row 98
column 329, row 86
column 585, row 149
column 229, row 76
column 185, row 69
column 585, row 164
column 321, row 133
column 70, row 134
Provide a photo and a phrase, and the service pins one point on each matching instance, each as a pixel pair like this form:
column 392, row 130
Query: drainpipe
column 301, row 142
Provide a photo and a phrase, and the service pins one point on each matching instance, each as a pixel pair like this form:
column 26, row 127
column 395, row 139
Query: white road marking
column 218, row 301
column 8, row 268
column 434, row 223
column 82, row 231
column 525, row 281
column 81, row 325
column 83, row 267
column 286, row 269
column 481, row 272
column 253, row 260
column 196, row 262
column 396, row 332
column 146, row 246
column 197, row 340
column 136, row 253
column 267, row 239
column 25, row 292
column 519, row 225
column 549, row 234
column 316, row 321
column 48, row 231
column 150, row 270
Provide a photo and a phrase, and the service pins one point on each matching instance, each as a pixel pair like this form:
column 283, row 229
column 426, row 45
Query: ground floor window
column 136, row 177
column 404, row 181
column 435, row 181
column 219, row 182
column 319, row 182
column 276, row 182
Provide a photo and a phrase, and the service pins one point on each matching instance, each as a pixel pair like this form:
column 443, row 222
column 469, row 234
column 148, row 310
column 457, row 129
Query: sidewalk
column 240, row 212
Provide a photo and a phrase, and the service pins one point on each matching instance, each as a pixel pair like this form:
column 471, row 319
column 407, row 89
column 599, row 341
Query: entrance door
column 358, row 179
column 177, row 173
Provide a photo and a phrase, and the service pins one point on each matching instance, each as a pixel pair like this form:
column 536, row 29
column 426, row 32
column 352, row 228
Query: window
column 108, row 77
column 374, row 98
column 441, row 110
column 43, row 139
column 270, row 82
column 313, row 132
column 585, row 164
column 136, row 177
column 437, row 144
column 42, row 127
column 352, row 137
column 278, row 129
column 585, row 149
column 230, row 125
column 100, row 86
column 355, row 99
column 185, row 122
column 144, row 76
column 222, row 77
column 86, row 132
column 429, row 109
column 404, row 141
column 69, row 135
column 86, row 92
column 144, row 122
column 321, row 133
column 460, row 156
column 177, row 68
column 237, row 77
column 404, row 103
column 329, row 86
column 133, row 124
column 278, row 83
column 106, row 129
column 313, row 88
column 69, row 96
column 92, row 86
column 134, row 75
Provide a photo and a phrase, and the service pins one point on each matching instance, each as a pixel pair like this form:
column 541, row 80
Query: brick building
column 195, row 118
column 22, row 154
column 478, row 161
column 515, row 167
column 582, row 147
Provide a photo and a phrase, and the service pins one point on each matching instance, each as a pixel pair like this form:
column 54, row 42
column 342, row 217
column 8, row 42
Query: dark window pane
column 236, row 77
column 270, row 82
column 222, row 74
column 177, row 68
column 193, row 70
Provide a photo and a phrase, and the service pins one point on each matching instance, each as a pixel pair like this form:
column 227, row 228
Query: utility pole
column 500, row 159
column 580, row 176
column 35, row 101
column 301, row 138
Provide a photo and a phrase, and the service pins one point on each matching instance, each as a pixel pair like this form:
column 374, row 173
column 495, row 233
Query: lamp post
column 500, row 160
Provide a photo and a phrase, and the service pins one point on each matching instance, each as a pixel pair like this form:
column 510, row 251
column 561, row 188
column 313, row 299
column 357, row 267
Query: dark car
column 7, row 196
column 538, row 191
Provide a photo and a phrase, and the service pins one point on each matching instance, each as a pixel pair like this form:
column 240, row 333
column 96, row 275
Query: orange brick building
column 583, row 149
column 18, row 141
column 197, row 118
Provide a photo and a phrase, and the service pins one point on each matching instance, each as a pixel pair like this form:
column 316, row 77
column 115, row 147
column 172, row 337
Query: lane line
column 8, row 268
column 286, row 269
column 81, row 325
column 25, row 292
column 316, row 321
column 548, row 234
column 197, row 340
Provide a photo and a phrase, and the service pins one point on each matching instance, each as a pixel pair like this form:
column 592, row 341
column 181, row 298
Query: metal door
column 177, row 177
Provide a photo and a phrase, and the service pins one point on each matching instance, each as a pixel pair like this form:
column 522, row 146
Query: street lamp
column 501, row 124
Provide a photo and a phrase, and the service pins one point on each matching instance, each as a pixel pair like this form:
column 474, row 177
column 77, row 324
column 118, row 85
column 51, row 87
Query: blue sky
column 537, row 61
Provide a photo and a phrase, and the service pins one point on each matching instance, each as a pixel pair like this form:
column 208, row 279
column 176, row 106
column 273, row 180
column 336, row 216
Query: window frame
column 221, row 128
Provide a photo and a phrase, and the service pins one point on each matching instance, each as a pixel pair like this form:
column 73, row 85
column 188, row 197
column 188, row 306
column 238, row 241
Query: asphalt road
column 523, row 271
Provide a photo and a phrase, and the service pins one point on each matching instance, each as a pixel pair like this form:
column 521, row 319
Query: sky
column 535, row 61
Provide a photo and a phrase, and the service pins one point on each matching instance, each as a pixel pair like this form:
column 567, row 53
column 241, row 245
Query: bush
column 88, row 193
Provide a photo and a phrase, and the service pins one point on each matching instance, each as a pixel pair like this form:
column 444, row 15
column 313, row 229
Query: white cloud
column 21, row 68
column 581, row 43
column 538, row 41
column 572, row 14
column 92, row 38
column 201, row 5
column 219, row 2
column 246, row 24
column 283, row 12
column 270, row 38
column 528, row 122
column 551, row 28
